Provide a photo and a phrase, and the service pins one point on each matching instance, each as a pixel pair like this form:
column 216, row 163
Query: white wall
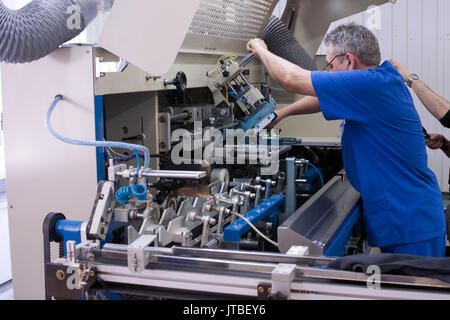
column 417, row 33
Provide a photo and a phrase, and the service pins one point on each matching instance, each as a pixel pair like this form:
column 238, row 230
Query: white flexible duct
column 38, row 28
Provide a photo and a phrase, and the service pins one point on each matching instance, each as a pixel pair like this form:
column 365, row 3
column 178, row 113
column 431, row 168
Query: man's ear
column 352, row 60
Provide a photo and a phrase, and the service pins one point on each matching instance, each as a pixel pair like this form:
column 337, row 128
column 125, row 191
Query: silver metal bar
column 253, row 267
column 115, row 250
column 332, row 274
column 251, row 256
column 210, row 279
column 291, row 199
column 182, row 280
column 232, row 88
column 260, row 262
column 246, row 60
column 179, row 116
column 313, row 290
column 174, row 174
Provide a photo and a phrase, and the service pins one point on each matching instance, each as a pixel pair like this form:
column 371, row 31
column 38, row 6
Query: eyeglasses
column 329, row 65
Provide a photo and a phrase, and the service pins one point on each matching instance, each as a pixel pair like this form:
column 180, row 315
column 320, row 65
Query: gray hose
column 38, row 28
column 282, row 43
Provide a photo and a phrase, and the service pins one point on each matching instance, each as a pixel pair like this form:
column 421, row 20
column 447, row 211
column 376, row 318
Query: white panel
column 400, row 29
column 385, row 35
column 367, row 19
column 371, row 20
column 429, row 75
column 44, row 174
column 356, row 18
column 223, row 27
column 231, row 19
column 148, row 34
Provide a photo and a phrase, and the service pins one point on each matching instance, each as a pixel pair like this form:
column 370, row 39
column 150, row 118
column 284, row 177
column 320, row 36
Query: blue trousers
column 429, row 248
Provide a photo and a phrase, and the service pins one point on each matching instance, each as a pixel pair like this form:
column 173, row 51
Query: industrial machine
column 221, row 208
column 208, row 227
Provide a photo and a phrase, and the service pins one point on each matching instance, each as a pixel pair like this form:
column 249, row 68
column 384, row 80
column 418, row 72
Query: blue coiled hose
column 125, row 193
column 102, row 144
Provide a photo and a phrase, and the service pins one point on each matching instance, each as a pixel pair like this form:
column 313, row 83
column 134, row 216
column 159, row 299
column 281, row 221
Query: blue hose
column 124, row 194
column 109, row 153
column 318, row 171
column 101, row 144
column 140, row 191
column 235, row 97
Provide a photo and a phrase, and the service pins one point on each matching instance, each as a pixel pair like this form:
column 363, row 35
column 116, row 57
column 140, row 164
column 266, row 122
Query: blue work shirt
column 384, row 153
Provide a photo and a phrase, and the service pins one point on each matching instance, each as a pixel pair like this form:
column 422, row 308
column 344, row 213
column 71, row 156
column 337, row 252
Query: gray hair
column 356, row 39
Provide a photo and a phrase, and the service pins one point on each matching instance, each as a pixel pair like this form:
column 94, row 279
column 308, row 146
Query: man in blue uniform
column 383, row 143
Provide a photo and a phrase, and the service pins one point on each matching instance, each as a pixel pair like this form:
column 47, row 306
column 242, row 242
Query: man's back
column 384, row 153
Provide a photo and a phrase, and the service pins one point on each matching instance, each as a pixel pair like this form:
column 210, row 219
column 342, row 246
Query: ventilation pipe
column 41, row 26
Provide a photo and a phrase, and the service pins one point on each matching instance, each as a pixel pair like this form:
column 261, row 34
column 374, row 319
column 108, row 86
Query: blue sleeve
column 344, row 94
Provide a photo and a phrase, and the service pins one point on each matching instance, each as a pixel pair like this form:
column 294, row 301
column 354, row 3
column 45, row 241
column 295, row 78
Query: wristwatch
column 411, row 78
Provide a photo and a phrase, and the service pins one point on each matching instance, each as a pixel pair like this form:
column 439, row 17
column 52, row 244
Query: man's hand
column 274, row 122
column 255, row 45
column 402, row 69
column 435, row 142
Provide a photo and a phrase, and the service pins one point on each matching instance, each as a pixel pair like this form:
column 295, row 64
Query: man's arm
column 290, row 76
column 436, row 105
column 306, row 105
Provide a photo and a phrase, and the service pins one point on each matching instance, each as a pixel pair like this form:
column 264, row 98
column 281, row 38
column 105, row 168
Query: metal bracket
column 103, row 213
column 102, row 67
column 299, row 251
column 164, row 131
column 282, row 276
column 71, row 251
column 137, row 257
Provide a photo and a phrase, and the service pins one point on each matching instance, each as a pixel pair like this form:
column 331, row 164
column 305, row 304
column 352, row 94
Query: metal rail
column 252, row 263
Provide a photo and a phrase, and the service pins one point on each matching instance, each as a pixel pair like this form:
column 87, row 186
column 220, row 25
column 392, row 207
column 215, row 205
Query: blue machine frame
column 100, row 136
column 257, row 118
column 269, row 210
